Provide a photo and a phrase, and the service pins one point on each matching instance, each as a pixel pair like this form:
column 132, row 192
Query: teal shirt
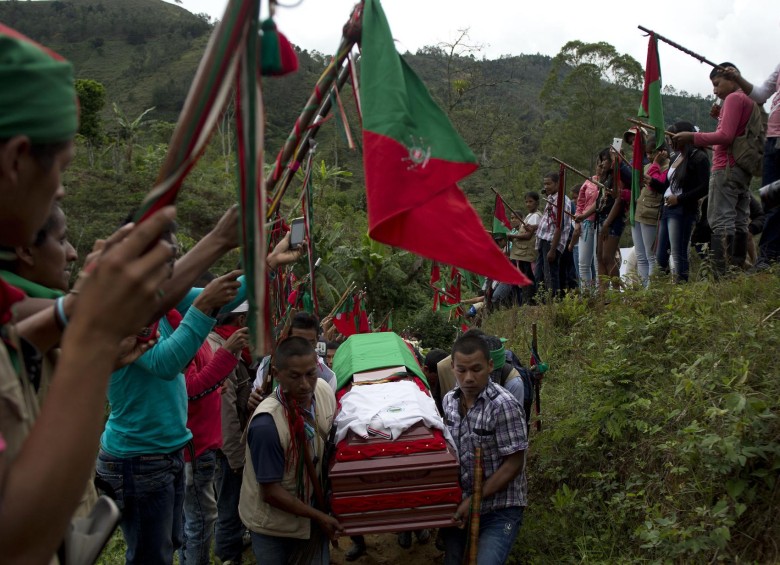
column 149, row 397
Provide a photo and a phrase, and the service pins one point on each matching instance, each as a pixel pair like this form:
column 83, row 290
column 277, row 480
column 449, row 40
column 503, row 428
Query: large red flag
column 413, row 159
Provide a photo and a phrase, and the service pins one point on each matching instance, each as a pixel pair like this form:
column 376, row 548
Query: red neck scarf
column 9, row 295
column 225, row 332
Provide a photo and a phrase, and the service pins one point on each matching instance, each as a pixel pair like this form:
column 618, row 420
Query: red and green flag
column 500, row 221
column 413, row 159
column 651, row 109
column 344, row 319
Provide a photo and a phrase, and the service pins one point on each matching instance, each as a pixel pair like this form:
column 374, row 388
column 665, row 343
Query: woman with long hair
column 684, row 184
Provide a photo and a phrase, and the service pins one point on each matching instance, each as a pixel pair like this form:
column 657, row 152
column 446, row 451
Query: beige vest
column 258, row 515
column 18, row 402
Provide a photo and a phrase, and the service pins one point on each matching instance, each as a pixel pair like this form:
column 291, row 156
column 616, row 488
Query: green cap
column 38, row 97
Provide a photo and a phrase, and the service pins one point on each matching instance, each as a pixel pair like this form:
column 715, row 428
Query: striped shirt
column 549, row 222
column 496, row 421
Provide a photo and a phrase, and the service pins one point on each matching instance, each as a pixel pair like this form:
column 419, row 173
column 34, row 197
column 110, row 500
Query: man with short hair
column 47, row 452
column 550, row 239
column 728, row 210
column 287, row 434
column 482, row 415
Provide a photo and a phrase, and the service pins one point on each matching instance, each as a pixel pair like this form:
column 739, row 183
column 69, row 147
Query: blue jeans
column 149, row 490
column 497, row 532
column 228, row 537
column 549, row 273
column 272, row 550
column 769, row 245
column 200, row 508
column 644, row 236
column 674, row 235
column 586, row 255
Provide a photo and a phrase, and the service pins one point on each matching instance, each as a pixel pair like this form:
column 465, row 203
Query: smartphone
column 297, row 232
column 321, row 348
column 617, row 143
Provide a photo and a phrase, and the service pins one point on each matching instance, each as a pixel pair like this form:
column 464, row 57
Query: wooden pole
column 578, row 172
column 350, row 288
column 559, row 206
column 645, row 125
column 444, row 292
column 537, row 383
column 476, row 503
column 681, row 48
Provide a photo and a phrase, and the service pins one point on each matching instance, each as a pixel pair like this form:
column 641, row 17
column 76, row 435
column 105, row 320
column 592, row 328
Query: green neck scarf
column 31, row 289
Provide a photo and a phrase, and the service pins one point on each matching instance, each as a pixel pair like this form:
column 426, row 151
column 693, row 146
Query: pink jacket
column 734, row 117
column 587, row 197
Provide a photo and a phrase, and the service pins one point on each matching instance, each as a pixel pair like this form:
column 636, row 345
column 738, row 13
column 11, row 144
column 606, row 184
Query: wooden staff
column 578, row 172
column 342, row 300
column 537, row 382
column 558, row 206
column 476, row 503
column 645, row 125
column 387, row 316
column 444, row 292
column 681, row 48
column 510, row 207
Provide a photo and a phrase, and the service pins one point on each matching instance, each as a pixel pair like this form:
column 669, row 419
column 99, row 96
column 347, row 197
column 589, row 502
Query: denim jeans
column 549, row 272
column 149, row 490
column 200, row 508
column 272, row 550
column 674, row 235
column 228, row 536
column 644, row 240
column 728, row 203
column 497, row 532
column 586, row 255
column 769, row 245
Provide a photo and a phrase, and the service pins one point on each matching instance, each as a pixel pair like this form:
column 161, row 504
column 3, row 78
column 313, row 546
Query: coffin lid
column 369, row 351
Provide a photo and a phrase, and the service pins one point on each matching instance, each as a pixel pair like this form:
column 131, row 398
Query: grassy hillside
column 660, row 439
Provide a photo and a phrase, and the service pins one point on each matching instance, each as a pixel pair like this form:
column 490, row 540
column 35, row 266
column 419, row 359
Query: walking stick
column 476, row 503
column 537, row 381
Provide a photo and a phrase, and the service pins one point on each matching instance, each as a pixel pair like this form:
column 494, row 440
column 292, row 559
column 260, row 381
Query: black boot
column 718, row 248
column 738, row 249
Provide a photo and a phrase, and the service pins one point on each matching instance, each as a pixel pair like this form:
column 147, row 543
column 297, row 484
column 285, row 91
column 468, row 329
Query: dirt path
column 384, row 549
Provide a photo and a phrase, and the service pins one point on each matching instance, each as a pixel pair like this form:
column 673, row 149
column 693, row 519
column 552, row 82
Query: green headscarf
column 37, row 97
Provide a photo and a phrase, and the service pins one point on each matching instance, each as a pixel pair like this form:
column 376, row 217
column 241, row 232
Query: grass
column 660, row 432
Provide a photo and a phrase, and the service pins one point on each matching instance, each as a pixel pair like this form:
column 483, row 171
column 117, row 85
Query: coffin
column 378, row 485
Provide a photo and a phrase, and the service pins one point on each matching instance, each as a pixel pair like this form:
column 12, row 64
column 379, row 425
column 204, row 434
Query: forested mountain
column 514, row 112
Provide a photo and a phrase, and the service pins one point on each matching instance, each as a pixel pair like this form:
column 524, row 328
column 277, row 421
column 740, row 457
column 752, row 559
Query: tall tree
column 590, row 91
column 92, row 99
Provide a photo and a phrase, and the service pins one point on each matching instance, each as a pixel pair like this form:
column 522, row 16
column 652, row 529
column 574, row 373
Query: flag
column 500, row 221
column 413, row 158
column 651, row 106
column 344, row 319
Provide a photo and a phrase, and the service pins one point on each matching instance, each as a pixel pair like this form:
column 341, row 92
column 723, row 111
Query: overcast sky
column 745, row 32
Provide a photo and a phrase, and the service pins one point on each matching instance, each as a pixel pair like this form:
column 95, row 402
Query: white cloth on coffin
column 386, row 410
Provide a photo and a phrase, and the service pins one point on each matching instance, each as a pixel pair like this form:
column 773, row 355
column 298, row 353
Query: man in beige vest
column 287, row 428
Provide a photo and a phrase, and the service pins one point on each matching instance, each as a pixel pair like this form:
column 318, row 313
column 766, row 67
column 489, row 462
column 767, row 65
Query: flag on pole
column 652, row 107
column 344, row 320
column 500, row 221
column 413, row 158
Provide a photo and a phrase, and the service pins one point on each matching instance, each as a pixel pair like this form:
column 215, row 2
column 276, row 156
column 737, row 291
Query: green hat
column 37, row 98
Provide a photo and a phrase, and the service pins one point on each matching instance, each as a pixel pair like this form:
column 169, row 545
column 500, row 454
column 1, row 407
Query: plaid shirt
column 549, row 221
column 497, row 423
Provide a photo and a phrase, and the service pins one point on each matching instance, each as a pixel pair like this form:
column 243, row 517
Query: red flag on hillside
column 344, row 320
column 413, row 158
column 500, row 221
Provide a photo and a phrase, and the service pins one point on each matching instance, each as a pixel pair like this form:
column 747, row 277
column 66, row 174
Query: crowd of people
column 201, row 444
column 687, row 199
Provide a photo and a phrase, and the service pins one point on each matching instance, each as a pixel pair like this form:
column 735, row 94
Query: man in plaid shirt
column 480, row 413
column 551, row 241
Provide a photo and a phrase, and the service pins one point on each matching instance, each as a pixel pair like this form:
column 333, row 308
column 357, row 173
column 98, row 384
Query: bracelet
column 59, row 313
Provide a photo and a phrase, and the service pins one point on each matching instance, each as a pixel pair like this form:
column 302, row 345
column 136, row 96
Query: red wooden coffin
column 396, row 493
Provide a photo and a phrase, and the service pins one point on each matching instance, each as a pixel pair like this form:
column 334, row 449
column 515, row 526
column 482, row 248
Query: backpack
column 748, row 148
column 512, row 362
